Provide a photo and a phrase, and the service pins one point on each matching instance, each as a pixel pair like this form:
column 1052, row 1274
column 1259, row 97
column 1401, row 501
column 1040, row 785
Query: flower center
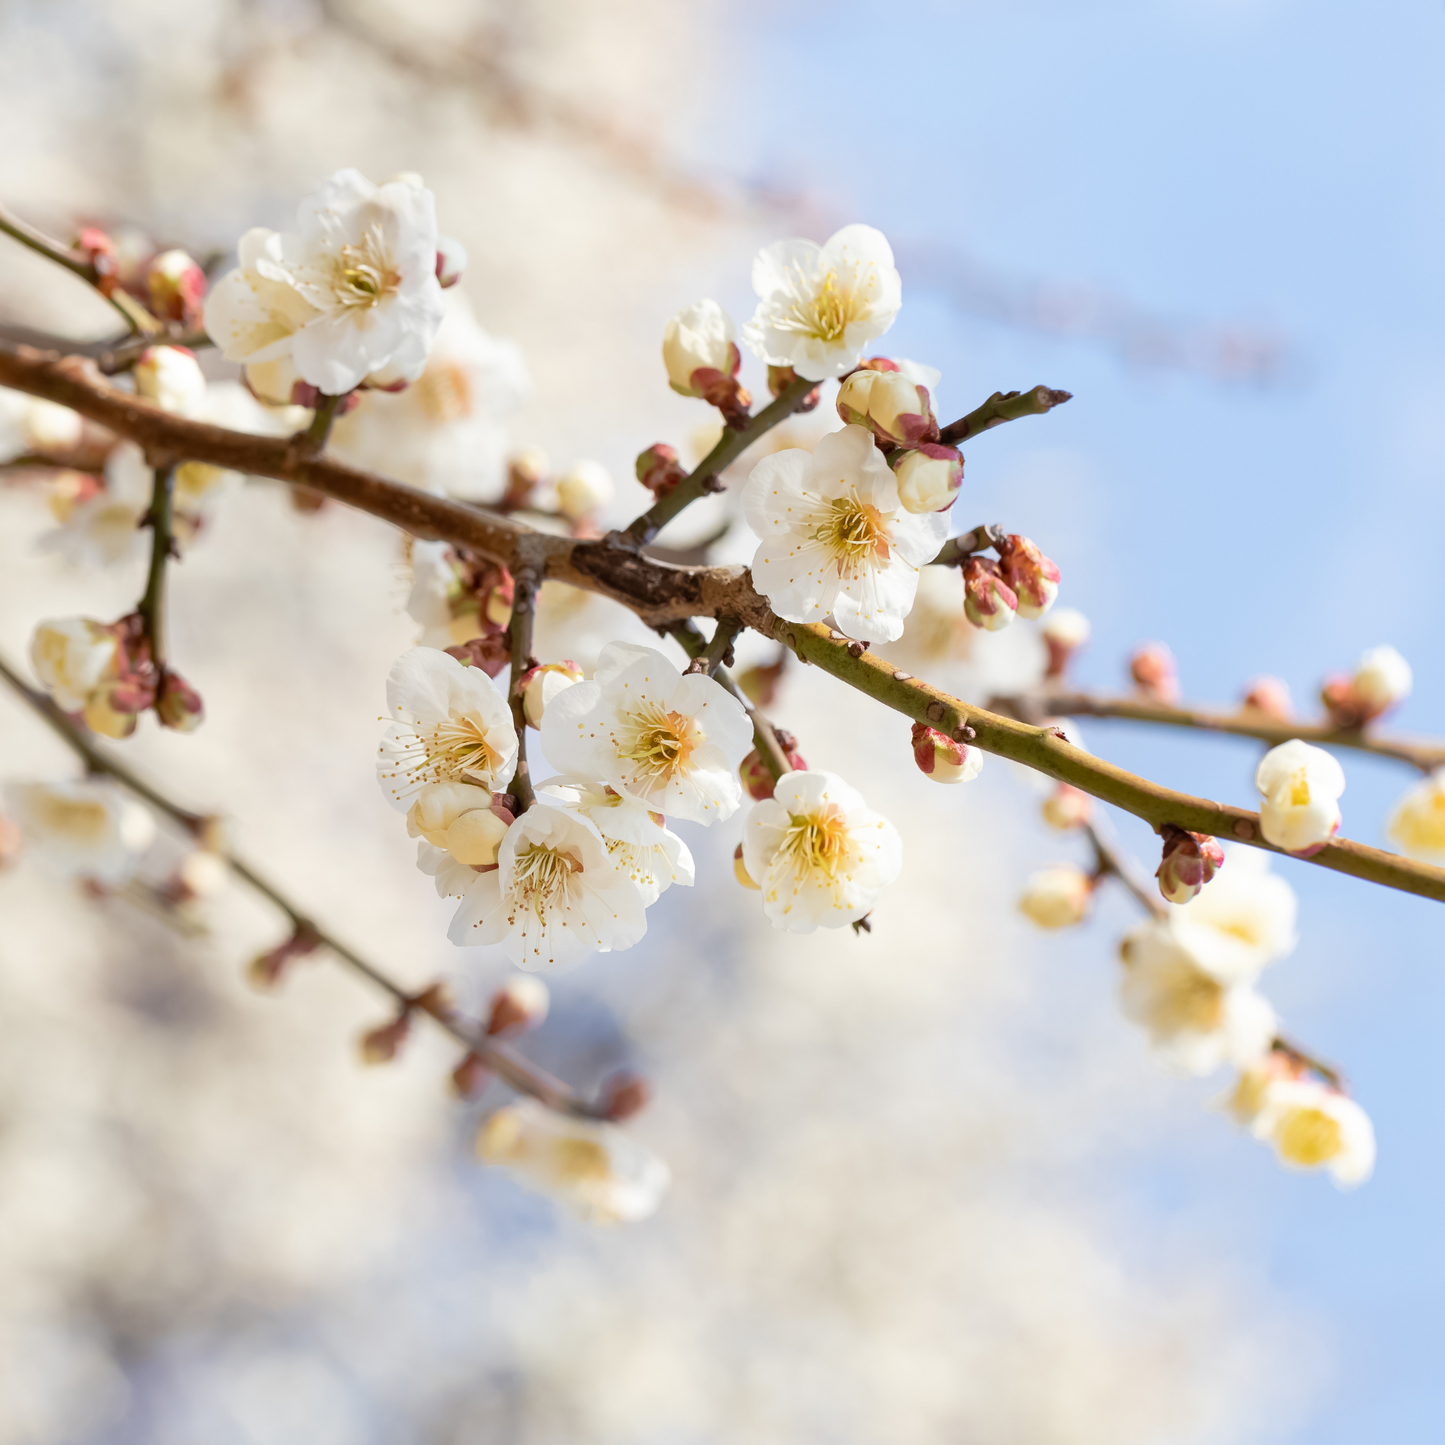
column 445, row 393
column 449, row 752
column 363, row 275
column 661, row 742
column 81, row 819
column 1310, row 1136
column 1299, row 791
column 854, row 533
column 543, row 876
column 1187, row 1000
column 579, row 1161
column 816, row 843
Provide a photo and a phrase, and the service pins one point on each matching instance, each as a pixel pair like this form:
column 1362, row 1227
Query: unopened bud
column 740, row 870
column 265, row 970
column 51, row 428
column 1153, row 670
column 1033, row 577
column 171, row 377
column 1270, row 696
column 891, row 405
column 1067, row 807
column 381, row 1045
column 582, row 488
column 104, row 717
column 490, row 652
column 201, row 873
column 97, row 248
column 470, row 1077
column 12, row 841
column 702, row 358
column 941, row 759
column 520, row 1003
column 758, row 778
column 462, row 819
column 177, row 288
column 542, row 684
column 929, row 477
column 988, row 601
column 525, row 470
column 1057, row 897
column 623, row 1095
column 760, row 684
column 780, row 378
column 659, row 470
column 1065, row 631
column 178, row 704
column 1382, row 680
column 1190, row 860
column 451, row 261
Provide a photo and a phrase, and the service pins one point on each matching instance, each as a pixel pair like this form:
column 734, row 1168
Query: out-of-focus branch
column 662, row 595
column 27, row 235
column 961, row 548
column 731, row 445
column 1423, row 753
column 110, row 357
column 152, row 606
column 1003, row 406
column 1114, row 862
column 523, row 1076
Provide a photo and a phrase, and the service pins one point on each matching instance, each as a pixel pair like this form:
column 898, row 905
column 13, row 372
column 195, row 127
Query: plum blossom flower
column 835, row 537
column 555, row 895
column 1195, row 1022
column 1057, row 897
column 642, row 849
column 668, row 740
column 72, row 656
column 1418, row 823
column 819, row 306
column 87, row 829
column 699, row 350
column 601, row 1171
column 450, row 724
column 819, row 854
column 1242, row 922
column 1313, row 1126
column 1300, row 787
column 354, row 292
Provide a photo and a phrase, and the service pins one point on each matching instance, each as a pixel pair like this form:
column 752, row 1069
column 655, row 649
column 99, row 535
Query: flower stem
column 37, row 241
column 731, row 446
column 319, row 431
column 961, row 548
column 524, row 612
column 152, row 606
column 522, row 1075
column 1002, row 406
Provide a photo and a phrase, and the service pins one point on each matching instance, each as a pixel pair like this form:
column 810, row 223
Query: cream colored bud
column 1057, row 897
column 203, row 872
column 71, row 657
column 1299, row 786
column 543, row 684
column 583, row 488
column 110, row 722
column 51, row 428
column 892, row 404
column 458, row 817
column 1382, row 679
column 698, row 339
column 171, row 377
column 928, row 477
column 1067, row 807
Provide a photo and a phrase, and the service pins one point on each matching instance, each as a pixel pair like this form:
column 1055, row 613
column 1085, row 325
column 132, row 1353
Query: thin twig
column 961, row 548
column 316, row 435
column 524, row 611
column 1114, row 862
column 37, row 241
column 152, row 606
column 730, row 446
column 523, row 1076
column 1003, row 406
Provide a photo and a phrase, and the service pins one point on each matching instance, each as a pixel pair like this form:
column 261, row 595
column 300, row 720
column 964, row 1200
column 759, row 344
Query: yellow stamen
column 661, row 742
column 854, row 533
column 1309, row 1137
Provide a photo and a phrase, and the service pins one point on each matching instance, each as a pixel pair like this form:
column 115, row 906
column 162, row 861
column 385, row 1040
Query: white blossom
column 670, row 741
column 555, row 895
column 353, row 293
column 446, row 432
column 1382, row 679
column 583, row 488
column 1066, row 627
column 1195, row 1022
column 699, row 338
column 1313, row 1126
column 819, row 306
column 104, row 529
column 1244, row 919
column 642, row 848
column 87, row 829
column 72, row 656
column 819, row 854
column 1057, row 897
column 30, row 424
column 835, row 537
column 449, row 724
column 598, row 1169
column 1300, row 786
column 1418, row 823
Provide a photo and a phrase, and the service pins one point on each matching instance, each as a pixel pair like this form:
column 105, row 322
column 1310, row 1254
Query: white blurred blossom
column 71, row 657
column 1057, row 897
column 31, row 424
column 1417, row 824
column 1382, row 679
column 1313, row 1126
column 171, row 377
column 1244, row 919
column 1300, row 787
column 583, row 488
column 86, row 829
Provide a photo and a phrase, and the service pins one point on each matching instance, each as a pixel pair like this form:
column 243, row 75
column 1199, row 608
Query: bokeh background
column 928, row 1186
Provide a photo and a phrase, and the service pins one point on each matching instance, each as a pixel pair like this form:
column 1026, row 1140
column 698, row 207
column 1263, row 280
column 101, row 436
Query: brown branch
column 524, row 611
column 1114, row 862
column 1422, row 753
column 959, row 549
column 152, row 606
column 52, row 250
column 664, row 595
column 1002, row 406
column 523, row 1076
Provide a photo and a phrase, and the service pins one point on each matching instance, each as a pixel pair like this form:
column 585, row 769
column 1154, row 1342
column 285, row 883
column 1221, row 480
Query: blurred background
column 928, row 1185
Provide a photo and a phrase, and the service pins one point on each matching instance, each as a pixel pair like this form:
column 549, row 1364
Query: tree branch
column 1002, row 406
column 523, row 1076
column 524, row 610
column 961, row 548
column 152, row 606
column 27, row 235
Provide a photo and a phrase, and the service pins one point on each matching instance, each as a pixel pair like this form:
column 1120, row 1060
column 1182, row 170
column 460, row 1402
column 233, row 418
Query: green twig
column 1002, row 406
column 152, row 606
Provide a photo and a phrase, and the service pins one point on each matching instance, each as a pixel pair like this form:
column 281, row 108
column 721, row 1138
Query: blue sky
column 1259, row 161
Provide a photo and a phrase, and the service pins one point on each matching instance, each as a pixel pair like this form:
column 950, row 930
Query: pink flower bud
column 521, row 1003
column 381, row 1045
column 97, row 249
column 780, row 378
column 1032, row 576
column 177, row 288
column 451, row 261
column 1065, row 631
column 12, row 841
column 491, row 652
column 1067, row 807
column 1271, row 697
column 1190, row 860
column 1382, row 680
column 265, row 970
column 929, row 477
column 740, row 869
column 659, row 470
column 754, row 771
column 942, row 760
column 470, row 1077
column 988, row 601
column 895, row 408
column 178, row 704
column 624, row 1094
column 1153, row 670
